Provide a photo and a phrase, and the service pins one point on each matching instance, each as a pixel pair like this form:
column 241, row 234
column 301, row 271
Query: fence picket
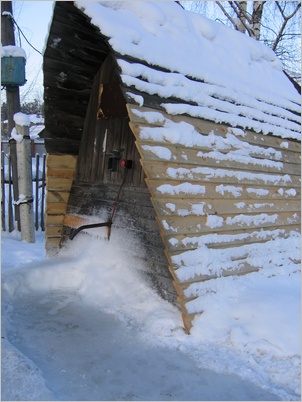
column 37, row 193
column 11, row 225
column 3, row 192
column 43, row 192
column 14, row 178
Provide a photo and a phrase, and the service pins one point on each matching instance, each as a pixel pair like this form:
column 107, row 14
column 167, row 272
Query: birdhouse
column 12, row 71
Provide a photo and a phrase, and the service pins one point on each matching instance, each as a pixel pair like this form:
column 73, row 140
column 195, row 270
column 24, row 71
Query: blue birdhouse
column 12, row 71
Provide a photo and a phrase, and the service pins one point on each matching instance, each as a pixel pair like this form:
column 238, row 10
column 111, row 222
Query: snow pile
column 12, row 51
column 22, row 119
column 35, row 130
column 211, row 71
column 20, row 376
column 36, row 119
column 250, row 325
column 36, row 125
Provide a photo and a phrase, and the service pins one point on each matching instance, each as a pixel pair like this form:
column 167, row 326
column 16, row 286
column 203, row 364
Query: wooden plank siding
column 218, row 196
column 135, row 215
column 60, row 173
column 68, row 77
column 95, row 186
column 193, row 183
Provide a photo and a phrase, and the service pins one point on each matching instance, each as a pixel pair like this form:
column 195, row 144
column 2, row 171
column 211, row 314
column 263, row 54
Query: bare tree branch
column 274, row 23
column 241, row 5
column 286, row 19
column 232, row 20
column 226, row 14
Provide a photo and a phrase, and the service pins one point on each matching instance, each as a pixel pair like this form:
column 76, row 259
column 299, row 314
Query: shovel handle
column 74, row 231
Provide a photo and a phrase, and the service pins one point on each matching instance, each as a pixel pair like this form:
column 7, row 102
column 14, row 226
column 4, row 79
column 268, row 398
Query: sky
column 33, row 18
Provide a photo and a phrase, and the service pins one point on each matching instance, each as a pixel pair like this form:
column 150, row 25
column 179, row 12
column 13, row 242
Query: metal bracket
column 74, row 231
column 114, row 157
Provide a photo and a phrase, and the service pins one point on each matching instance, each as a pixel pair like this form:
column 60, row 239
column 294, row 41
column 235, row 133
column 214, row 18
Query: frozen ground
column 85, row 354
column 87, row 326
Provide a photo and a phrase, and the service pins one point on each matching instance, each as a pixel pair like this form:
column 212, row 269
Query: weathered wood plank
column 187, row 206
column 61, row 145
column 218, row 223
column 229, row 238
column 189, row 160
column 61, row 161
column 158, row 118
column 53, row 230
column 221, row 160
column 242, row 147
column 183, row 286
column 59, row 172
column 260, row 152
column 75, row 221
column 179, row 189
column 188, row 321
column 244, row 268
column 57, row 196
column 79, row 78
column 56, row 208
column 58, row 184
column 175, row 171
column 54, row 219
column 52, row 243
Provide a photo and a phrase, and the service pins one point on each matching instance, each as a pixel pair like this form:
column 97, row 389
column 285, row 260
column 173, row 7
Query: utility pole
column 12, row 97
column 25, row 178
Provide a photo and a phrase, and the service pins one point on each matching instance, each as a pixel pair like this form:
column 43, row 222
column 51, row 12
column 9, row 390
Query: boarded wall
column 95, row 186
column 134, row 220
column 217, row 187
column 60, row 172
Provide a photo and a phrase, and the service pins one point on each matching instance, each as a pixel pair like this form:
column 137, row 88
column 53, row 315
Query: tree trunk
column 242, row 8
column 256, row 18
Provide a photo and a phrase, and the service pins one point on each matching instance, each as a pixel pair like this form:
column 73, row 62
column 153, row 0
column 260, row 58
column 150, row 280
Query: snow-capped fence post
column 25, row 201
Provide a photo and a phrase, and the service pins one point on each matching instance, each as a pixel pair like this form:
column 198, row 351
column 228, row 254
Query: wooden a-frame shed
column 206, row 122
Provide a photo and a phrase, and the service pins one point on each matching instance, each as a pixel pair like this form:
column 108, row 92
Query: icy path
column 86, row 354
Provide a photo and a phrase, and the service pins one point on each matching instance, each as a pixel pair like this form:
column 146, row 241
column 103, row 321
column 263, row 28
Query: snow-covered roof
column 197, row 66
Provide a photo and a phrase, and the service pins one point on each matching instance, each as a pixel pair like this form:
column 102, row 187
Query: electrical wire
column 20, row 30
column 9, row 15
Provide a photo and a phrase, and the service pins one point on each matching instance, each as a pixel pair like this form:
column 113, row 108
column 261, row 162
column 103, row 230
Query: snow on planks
column 217, row 189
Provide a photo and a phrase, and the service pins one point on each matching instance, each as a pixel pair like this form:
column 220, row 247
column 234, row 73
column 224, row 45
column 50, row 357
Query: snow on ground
column 86, row 325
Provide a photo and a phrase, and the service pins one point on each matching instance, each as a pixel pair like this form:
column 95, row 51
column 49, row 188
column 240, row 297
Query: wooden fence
column 9, row 211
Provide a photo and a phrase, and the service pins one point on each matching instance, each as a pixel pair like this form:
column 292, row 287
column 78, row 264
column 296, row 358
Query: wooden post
column 25, row 184
column 12, row 92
